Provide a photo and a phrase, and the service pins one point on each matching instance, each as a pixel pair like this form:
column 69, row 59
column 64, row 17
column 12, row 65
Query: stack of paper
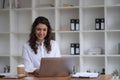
column 9, row 75
column 85, row 74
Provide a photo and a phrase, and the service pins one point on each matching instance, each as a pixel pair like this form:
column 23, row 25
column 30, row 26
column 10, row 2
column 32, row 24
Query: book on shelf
column 118, row 48
column 99, row 24
column 74, row 49
column 77, row 49
column 17, row 3
column 102, row 24
column 3, row 4
column 77, row 26
column 74, row 24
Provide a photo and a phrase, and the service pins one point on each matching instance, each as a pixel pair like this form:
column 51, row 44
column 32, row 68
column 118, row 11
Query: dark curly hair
column 32, row 37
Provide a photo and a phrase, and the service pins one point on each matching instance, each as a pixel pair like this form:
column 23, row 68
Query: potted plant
column 115, row 74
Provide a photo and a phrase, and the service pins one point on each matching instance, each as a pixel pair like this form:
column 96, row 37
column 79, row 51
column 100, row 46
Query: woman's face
column 41, row 32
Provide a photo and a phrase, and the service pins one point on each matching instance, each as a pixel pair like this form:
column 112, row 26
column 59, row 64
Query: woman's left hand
column 36, row 72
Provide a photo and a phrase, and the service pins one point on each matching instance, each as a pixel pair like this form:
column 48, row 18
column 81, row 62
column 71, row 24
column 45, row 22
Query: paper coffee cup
column 20, row 70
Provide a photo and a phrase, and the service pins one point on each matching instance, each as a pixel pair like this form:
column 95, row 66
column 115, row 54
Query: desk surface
column 101, row 77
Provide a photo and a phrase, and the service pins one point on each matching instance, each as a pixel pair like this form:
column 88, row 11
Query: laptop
column 55, row 67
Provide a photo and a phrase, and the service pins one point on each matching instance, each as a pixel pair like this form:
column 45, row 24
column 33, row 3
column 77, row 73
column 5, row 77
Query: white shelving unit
column 15, row 24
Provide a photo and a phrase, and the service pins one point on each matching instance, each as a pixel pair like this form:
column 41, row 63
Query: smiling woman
column 39, row 45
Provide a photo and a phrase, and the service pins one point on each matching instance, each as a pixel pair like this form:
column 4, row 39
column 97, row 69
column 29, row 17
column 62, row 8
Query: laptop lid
column 54, row 67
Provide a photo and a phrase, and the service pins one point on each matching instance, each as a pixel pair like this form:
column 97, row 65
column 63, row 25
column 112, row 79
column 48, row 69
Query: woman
column 39, row 45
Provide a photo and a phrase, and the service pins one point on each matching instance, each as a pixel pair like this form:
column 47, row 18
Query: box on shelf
column 94, row 51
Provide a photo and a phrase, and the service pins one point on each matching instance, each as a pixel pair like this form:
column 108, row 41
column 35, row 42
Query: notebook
column 85, row 75
column 55, row 67
column 10, row 76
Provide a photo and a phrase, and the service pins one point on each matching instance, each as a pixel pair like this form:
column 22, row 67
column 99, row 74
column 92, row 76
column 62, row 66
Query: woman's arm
column 29, row 68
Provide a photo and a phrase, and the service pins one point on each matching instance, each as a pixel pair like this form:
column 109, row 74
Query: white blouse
column 32, row 60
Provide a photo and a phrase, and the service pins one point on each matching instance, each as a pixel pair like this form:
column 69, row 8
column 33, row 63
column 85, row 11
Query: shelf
column 4, row 17
column 4, row 44
column 16, row 21
column 113, row 39
column 74, row 56
column 93, row 64
column 4, row 33
column 93, row 40
column 20, row 33
column 4, row 54
column 112, row 2
column 66, row 40
column 17, row 55
column 45, row 8
column 2, row 10
column 113, row 18
column 114, row 56
column 64, row 18
column 89, row 15
column 112, row 30
column 22, row 9
column 93, row 31
column 21, row 21
column 68, row 7
column 93, row 6
column 67, row 31
column 113, row 63
column 20, row 39
column 111, row 6
column 88, row 55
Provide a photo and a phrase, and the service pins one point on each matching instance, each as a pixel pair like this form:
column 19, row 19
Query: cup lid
column 20, row 65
